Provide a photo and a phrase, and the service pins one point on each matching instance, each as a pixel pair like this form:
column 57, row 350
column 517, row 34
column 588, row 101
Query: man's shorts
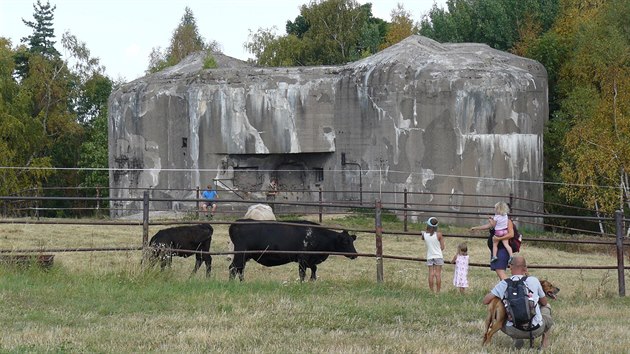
column 435, row 262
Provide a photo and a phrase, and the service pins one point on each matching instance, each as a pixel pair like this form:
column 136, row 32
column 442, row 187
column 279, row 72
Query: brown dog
column 497, row 315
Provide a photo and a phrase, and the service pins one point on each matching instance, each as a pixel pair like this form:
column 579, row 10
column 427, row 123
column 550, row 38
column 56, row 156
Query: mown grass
column 106, row 302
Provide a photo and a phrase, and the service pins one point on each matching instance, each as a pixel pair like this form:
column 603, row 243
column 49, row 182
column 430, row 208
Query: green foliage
column 594, row 87
column 326, row 32
column 47, row 115
column 209, row 62
column 41, row 41
column 184, row 41
column 401, row 27
column 297, row 28
column 497, row 23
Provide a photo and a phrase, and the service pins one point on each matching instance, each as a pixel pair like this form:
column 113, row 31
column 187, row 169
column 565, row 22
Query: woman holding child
column 500, row 259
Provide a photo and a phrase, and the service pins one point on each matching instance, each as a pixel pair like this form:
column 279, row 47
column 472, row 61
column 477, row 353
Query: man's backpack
column 519, row 304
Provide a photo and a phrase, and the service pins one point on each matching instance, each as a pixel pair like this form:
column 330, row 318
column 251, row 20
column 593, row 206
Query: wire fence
column 16, row 208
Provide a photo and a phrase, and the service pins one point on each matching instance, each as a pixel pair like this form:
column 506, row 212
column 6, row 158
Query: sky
column 122, row 33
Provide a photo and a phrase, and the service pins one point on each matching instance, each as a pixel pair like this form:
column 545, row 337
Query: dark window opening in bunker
column 184, row 142
column 318, row 173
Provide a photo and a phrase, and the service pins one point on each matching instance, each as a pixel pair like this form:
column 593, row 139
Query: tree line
column 54, row 113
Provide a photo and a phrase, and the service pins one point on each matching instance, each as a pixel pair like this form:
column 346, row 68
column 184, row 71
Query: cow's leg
column 237, row 267
column 208, row 260
column 302, row 269
column 198, row 262
column 313, row 272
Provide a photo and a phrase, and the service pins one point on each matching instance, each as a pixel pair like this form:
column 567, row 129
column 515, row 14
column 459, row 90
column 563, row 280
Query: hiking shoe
column 518, row 343
column 493, row 259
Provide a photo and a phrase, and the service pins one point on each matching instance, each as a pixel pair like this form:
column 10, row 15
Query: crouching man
column 541, row 322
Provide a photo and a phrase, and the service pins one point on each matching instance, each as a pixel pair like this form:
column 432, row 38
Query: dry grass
column 105, row 301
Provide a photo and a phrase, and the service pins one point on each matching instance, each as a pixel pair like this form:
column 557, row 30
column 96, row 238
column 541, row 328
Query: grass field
column 106, row 302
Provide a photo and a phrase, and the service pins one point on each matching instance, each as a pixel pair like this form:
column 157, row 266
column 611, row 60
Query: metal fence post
column 197, row 203
column 379, row 242
column 320, row 205
column 405, row 210
column 37, row 204
column 98, row 202
column 620, row 267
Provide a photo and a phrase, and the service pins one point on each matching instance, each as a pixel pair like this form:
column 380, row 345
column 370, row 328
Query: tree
column 184, row 41
column 40, row 41
column 19, row 132
column 595, row 90
column 498, row 23
column 401, row 27
column 335, row 29
column 326, row 32
column 273, row 50
column 90, row 87
column 297, row 28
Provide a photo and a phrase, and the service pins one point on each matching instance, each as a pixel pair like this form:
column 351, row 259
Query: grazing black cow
column 184, row 238
column 251, row 235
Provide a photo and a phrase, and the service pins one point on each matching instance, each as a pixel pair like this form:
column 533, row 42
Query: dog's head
column 550, row 290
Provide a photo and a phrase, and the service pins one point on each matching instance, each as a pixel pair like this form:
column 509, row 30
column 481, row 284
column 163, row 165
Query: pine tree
column 41, row 41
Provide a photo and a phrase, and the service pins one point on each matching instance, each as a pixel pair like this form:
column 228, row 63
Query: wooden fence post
column 145, row 224
column 379, row 243
column 405, row 211
column 620, row 267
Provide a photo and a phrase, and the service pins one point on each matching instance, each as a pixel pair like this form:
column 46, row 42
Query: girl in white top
column 460, row 279
column 435, row 258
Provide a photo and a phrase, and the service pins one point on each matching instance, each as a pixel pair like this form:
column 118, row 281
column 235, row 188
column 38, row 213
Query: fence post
column 37, row 204
column 320, row 205
column 145, row 224
column 197, row 203
column 379, row 242
column 620, row 267
column 405, row 210
column 98, row 202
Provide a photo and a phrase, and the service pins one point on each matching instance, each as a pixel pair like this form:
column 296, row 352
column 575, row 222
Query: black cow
column 251, row 235
column 184, row 238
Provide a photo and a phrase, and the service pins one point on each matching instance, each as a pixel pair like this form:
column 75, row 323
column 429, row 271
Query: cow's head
column 345, row 244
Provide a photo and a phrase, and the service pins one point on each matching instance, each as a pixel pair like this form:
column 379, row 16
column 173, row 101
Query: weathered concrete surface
column 451, row 120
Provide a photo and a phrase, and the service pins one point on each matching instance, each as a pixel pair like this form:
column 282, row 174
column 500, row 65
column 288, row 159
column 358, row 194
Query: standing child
column 500, row 223
column 460, row 279
column 435, row 258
